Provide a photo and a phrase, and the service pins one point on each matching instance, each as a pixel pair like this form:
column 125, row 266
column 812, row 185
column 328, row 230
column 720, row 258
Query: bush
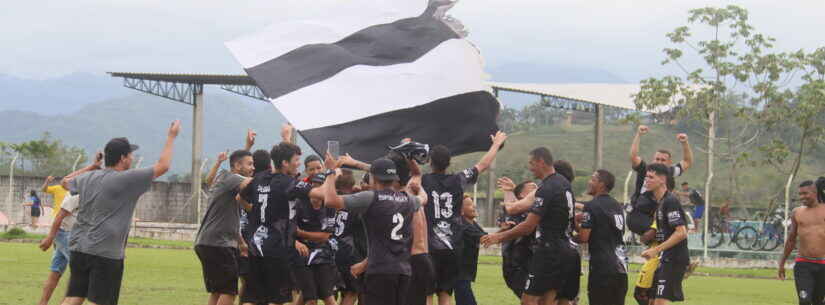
column 14, row 233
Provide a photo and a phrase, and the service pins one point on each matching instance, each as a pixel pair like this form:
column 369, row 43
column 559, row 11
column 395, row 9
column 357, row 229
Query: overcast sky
column 42, row 39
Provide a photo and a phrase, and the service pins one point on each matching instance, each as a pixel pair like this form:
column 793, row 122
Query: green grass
column 173, row 276
column 133, row 241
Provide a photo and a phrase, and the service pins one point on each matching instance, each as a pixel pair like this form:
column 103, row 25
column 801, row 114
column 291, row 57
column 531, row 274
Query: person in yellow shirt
column 57, row 191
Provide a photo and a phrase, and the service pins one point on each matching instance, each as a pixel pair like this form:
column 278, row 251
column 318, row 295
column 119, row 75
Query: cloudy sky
column 42, row 39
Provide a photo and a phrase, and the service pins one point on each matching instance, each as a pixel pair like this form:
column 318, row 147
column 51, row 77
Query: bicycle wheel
column 747, row 238
column 716, row 236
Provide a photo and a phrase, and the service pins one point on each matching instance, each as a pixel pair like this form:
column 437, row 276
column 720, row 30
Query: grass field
column 172, row 276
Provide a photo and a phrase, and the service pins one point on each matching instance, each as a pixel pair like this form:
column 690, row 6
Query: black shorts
column 95, row 278
column 220, row 268
column 348, row 282
column 268, row 281
column 572, row 284
column 423, row 279
column 35, row 212
column 315, row 282
column 386, row 289
column 606, row 289
column 668, row 281
column 810, row 282
column 554, row 267
column 515, row 266
column 446, row 264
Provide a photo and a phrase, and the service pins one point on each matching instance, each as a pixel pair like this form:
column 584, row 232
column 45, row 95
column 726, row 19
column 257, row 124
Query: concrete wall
column 164, row 202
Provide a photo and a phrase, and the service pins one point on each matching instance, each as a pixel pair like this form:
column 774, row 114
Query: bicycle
column 767, row 238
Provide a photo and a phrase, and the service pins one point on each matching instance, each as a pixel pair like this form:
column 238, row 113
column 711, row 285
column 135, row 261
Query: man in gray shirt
column 219, row 237
column 107, row 200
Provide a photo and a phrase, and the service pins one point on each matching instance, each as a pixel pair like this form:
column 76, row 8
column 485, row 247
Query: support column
column 197, row 146
column 491, row 188
column 599, row 147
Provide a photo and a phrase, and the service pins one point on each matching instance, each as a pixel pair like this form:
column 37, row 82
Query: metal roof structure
column 611, row 95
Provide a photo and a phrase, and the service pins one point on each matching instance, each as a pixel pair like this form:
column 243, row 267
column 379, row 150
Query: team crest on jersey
column 539, row 202
column 674, row 216
column 468, row 173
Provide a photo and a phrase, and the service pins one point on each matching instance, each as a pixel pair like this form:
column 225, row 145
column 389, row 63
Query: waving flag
column 369, row 73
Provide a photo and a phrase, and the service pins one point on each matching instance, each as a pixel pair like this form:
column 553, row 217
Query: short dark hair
column 666, row 152
column 283, row 152
column 658, row 169
column 565, row 169
column 401, row 167
column 440, row 158
column 806, row 183
column 520, row 187
column 346, row 181
column 684, row 183
column 261, row 160
column 607, row 178
column 312, row 158
column 237, row 156
column 542, row 153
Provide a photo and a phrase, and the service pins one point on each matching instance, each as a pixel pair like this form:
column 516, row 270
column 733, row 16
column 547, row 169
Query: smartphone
column 334, row 148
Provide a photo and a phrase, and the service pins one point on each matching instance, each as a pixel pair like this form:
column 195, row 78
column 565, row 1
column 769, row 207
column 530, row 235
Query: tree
column 44, row 156
column 730, row 60
column 796, row 117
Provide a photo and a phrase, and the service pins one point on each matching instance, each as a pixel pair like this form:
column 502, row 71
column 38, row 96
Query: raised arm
column 790, row 245
column 286, row 133
column 45, row 186
column 94, row 166
column 165, row 161
column 635, row 160
column 250, row 139
column 687, row 153
column 331, row 197
column 214, row 170
column 485, row 162
column 350, row 162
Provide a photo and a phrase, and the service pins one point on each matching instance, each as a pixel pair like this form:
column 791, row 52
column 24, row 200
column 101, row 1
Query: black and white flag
column 368, row 73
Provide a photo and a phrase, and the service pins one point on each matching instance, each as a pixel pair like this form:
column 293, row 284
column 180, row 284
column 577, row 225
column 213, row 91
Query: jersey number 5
column 398, row 220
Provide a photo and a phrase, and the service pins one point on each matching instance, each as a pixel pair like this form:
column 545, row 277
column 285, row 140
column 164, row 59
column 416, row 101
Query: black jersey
column 670, row 215
column 271, row 223
column 445, row 195
column 387, row 216
column 556, row 206
column 605, row 219
column 310, row 219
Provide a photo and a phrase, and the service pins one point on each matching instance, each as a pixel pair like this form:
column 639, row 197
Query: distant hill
column 61, row 95
column 144, row 119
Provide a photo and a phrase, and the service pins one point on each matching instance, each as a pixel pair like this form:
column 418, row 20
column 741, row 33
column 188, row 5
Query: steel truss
column 176, row 91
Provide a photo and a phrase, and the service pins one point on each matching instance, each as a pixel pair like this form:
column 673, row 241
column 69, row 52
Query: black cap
column 384, row 170
column 118, row 147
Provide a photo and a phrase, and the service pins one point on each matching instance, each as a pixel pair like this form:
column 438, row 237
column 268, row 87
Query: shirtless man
column 807, row 222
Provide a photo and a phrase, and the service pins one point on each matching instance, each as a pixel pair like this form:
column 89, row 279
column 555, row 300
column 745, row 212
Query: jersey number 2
column 398, row 220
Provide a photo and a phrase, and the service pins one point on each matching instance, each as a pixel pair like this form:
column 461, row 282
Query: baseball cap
column 383, row 169
column 118, row 147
